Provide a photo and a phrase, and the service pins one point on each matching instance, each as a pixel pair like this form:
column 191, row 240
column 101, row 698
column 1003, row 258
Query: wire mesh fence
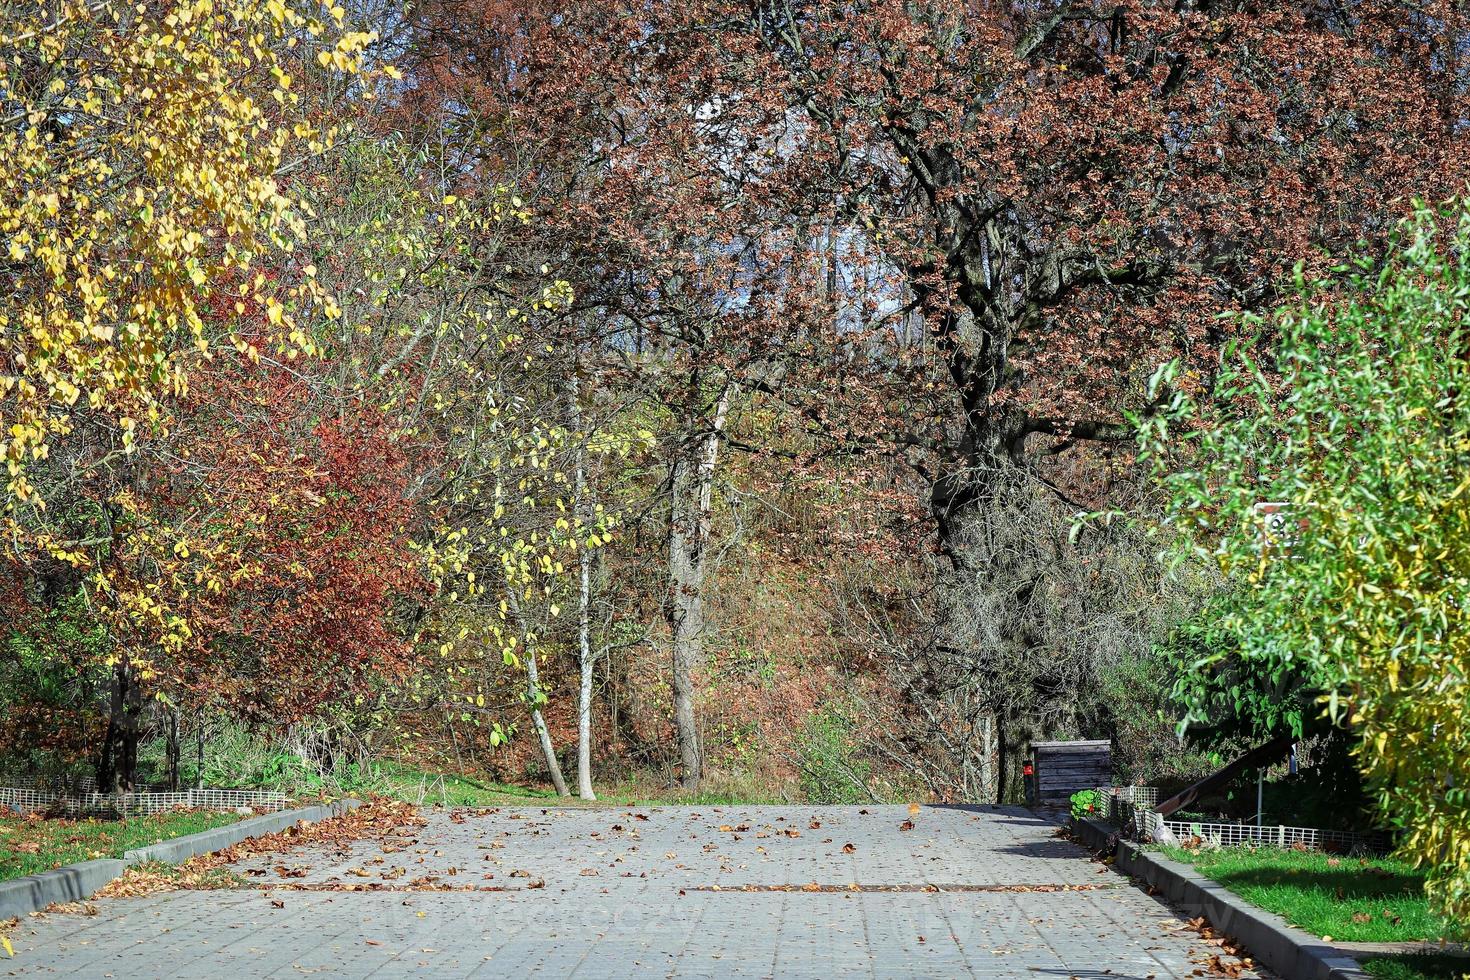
column 1131, row 809
column 56, row 781
column 75, row 794
column 1266, row 835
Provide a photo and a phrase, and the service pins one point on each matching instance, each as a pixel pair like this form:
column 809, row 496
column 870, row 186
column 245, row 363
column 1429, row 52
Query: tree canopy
column 717, row 385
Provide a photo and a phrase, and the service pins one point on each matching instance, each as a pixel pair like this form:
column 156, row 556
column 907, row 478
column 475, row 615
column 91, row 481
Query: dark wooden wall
column 1063, row 768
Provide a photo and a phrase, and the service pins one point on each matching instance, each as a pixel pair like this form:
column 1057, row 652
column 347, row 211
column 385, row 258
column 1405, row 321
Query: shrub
column 833, row 771
column 1084, row 802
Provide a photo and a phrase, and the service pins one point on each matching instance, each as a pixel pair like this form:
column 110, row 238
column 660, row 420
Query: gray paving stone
column 630, row 892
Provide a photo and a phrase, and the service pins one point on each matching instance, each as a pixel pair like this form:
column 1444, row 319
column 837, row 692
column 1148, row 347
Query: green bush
column 53, row 697
column 1084, row 802
column 1138, row 689
column 235, row 757
column 833, row 770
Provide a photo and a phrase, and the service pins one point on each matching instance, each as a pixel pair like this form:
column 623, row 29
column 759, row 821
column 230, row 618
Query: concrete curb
column 1278, row 946
column 77, row 882
column 207, row 841
column 22, row 896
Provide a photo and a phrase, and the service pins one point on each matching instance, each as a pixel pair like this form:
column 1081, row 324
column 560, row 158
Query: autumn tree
column 1010, row 212
column 681, row 269
column 454, row 330
column 263, row 570
column 1072, row 192
column 143, row 148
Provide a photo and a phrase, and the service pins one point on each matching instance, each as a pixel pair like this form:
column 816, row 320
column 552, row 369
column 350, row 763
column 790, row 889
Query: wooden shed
column 1063, row 768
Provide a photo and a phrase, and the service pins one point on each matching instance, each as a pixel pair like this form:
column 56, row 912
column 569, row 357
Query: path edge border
column 1278, row 946
column 76, row 882
column 180, row 849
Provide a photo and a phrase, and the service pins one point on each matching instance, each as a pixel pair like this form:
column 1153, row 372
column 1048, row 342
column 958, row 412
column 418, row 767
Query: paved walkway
column 665, row 891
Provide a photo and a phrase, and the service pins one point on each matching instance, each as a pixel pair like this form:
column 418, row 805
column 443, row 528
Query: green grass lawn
column 32, row 844
column 1347, row 898
column 1417, row 966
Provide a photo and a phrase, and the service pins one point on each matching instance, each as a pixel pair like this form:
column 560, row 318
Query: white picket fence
column 1131, row 808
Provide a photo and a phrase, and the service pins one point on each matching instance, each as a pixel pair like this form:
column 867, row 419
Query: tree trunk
column 117, row 764
column 534, row 697
column 543, row 734
column 692, row 489
column 1003, row 753
column 987, row 760
column 584, row 710
column 172, row 750
column 684, row 611
column 582, row 509
column 1015, row 747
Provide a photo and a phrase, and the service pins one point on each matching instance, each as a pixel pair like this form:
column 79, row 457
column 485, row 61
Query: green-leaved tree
column 1358, row 421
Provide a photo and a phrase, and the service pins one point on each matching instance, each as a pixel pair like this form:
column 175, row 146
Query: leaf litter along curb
column 378, row 819
column 1219, row 964
column 1232, row 962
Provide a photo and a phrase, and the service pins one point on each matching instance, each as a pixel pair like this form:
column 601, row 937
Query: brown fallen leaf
column 849, row 847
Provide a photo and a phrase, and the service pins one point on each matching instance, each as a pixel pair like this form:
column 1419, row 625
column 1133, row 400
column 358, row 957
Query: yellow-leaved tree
column 143, row 148
column 148, row 219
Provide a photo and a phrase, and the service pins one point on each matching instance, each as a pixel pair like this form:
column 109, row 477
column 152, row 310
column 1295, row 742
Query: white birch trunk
column 689, row 530
column 582, row 510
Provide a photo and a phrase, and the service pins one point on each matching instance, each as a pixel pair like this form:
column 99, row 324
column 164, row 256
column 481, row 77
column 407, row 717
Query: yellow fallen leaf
column 9, row 949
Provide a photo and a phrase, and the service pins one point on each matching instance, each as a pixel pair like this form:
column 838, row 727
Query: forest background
column 692, row 400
